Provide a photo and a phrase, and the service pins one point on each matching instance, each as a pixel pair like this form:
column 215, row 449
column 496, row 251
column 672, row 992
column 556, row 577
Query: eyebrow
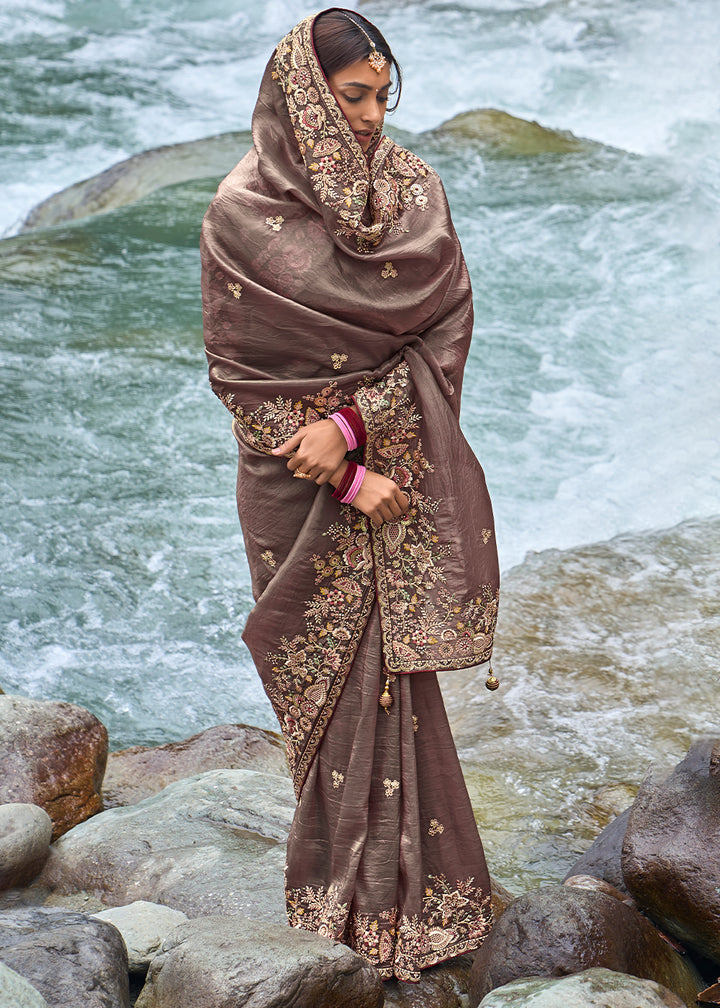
column 365, row 87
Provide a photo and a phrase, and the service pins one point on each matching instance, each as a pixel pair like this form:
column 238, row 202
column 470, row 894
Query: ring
column 302, row 475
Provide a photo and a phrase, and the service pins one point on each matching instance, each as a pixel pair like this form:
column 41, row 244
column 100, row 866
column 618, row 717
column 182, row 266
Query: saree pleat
column 384, row 852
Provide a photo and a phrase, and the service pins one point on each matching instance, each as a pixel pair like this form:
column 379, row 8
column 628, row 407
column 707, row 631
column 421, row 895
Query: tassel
column 385, row 698
column 491, row 682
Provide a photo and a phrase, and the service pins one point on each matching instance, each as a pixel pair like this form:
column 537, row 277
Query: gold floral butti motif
column 337, row 167
column 436, row 828
column 235, row 289
column 388, row 271
column 338, row 360
column 424, row 624
column 454, row 920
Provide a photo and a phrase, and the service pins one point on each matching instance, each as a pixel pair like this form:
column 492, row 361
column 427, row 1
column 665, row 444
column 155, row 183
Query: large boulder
column 603, row 857
column 443, row 986
column 137, row 773
column 69, row 958
column 561, row 930
column 52, row 754
column 239, row 962
column 16, row 992
column 671, row 850
column 595, row 988
column 144, row 926
column 25, row 833
column 210, row 844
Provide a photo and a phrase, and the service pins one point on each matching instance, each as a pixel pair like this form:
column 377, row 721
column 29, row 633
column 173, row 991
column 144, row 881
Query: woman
column 338, row 316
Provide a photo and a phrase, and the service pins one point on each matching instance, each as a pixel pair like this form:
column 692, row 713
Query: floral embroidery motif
column 454, row 920
column 486, row 535
column 274, row 421
column 275, row 223
column 235, row 289
column 338, row 778
column 308, row 672
column 394, row 181
column 338, row 360
column 390, row 786
column 416, row 723
column 424, row 624
column 389, row 272
column 269, row 558
column 436, row 828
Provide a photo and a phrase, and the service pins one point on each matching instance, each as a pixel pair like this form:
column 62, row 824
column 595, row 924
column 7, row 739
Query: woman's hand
column 381, row 499
column 316, row 451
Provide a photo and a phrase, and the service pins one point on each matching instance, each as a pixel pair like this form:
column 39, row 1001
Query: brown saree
column 329, row 277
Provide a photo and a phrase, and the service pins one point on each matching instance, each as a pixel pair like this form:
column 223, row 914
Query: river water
column 592, row 394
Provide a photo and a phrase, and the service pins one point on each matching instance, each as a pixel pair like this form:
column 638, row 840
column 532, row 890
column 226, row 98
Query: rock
column 206, row 845
column 598, row 885
column 594, row 988
column 16, row 992
column 235, row 961
column 137, row 773
column 443, row 986
column 144, row 926
column 561, row 930
column 53, row 755
column 507, row 134
column 603, row 858
column 140, row 175
column 69, row 958
column 671, row 851
column 25, row 833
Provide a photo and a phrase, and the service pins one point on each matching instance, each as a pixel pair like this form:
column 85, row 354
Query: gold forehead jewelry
column 376, row 59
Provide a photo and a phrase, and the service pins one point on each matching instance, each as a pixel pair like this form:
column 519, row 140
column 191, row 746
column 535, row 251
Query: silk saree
column 332, row 277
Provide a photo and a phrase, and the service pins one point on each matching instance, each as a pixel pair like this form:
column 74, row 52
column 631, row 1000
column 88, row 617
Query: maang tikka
column 376, row 59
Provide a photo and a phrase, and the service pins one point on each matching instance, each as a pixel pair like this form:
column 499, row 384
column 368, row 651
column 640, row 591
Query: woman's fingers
column 290, row 445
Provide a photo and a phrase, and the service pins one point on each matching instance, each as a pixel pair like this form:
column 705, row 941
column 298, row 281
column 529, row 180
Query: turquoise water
column 591, row 395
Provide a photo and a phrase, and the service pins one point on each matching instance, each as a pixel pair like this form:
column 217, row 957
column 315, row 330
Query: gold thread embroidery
column 391, row 787
column 338, row 778
column 269, row 558
column 422, row 620
column 338, row 360
column 235, row 289
column 394, row 182
column 454, row 920
column 389, row 272
column 436, row 828
column 486, row 535
column 416, row 723
column 275, row 223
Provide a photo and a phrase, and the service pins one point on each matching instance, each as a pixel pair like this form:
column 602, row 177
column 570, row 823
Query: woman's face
column 362, row 94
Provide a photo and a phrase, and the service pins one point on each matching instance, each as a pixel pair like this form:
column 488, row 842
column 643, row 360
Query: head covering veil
column 329, row 277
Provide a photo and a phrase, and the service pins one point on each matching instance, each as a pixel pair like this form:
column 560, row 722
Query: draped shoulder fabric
column 330, row 277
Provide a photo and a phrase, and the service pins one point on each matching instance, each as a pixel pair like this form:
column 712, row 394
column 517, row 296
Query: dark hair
column 339, row 41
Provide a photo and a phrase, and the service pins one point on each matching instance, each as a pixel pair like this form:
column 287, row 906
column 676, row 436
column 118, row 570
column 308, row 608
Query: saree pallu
column 330, row 279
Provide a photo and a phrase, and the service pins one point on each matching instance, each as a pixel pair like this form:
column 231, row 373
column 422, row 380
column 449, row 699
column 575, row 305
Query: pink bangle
column 346, row 429
column 355, row 485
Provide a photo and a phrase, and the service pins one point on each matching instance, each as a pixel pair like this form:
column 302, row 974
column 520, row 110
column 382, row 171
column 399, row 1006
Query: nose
column 372, row 113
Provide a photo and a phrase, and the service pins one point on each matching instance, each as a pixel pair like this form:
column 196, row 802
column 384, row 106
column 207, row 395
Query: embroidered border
column 454, row 920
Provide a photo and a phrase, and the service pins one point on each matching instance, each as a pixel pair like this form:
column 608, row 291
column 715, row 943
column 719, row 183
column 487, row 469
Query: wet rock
column 671, row 851
column 52, row 754
column 16, row 991
column 140, row 175
column 509, row 135
column 603, row 858
column 144, row 926
column 562, row 930
column 135, row 774
column 598, row 885
column 229, row 962
column 206, row 845
column 595, row 988
column 443, row 986
column 69, row 958
column 25, row 832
